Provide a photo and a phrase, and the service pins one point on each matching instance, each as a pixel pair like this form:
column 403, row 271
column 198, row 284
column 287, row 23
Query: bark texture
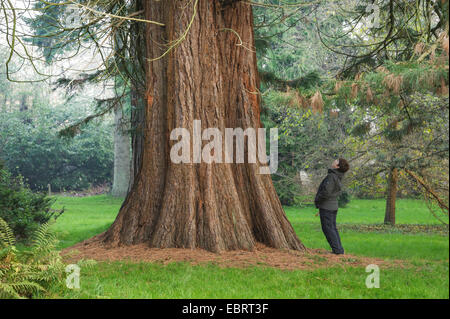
column 137, row 132
column 389, row 217
column 210, row 76
column 122, row 156
column 138, row 90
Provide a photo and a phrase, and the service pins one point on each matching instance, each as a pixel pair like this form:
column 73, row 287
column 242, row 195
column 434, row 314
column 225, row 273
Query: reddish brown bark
column 389, row 217
column 210, row 77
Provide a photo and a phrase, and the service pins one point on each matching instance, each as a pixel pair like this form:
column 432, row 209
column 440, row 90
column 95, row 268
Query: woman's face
column 335, row 164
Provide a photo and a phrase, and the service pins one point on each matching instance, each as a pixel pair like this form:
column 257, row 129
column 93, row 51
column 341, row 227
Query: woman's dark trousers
column 328, row 221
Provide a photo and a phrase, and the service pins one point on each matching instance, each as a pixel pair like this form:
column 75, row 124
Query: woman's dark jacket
column 329, row 190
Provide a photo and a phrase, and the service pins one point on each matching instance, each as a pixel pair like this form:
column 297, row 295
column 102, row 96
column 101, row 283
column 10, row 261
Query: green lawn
column 425, row 273
column 84, row 217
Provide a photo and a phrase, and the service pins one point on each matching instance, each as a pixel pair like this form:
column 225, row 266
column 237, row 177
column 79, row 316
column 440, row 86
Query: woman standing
column 327, row 202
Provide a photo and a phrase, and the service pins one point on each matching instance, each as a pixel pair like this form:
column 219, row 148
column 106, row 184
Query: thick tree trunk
column 138, row 91
column 210, row 76
column 389, row 217
column 122, row 156
column 137, row 133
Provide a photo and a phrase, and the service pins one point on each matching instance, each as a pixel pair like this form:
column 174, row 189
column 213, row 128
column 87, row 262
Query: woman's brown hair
column 343, row 165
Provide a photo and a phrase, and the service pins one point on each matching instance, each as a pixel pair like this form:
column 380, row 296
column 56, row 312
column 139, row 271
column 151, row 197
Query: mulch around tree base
column 262, row 256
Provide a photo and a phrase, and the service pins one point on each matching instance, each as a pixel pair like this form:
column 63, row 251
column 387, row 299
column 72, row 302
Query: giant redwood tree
column 185, row 60
column 200, row 65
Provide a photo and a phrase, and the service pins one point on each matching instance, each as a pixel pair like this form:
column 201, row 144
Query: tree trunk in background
column 23, row 104
column 389, row 217
column 122, row 156
column 211, row 76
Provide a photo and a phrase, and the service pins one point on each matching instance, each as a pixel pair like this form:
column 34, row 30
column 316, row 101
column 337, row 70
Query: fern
column 43, row 242
column 25, row 273
column 7, row 238
column 8, row 291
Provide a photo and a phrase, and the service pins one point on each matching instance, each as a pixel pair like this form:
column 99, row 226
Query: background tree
column 400, row 128
column 48, row 29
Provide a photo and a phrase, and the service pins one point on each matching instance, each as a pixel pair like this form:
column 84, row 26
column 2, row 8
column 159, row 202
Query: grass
column 385, row 245
column 180, row 280
column 84, row 217
column 425, row 273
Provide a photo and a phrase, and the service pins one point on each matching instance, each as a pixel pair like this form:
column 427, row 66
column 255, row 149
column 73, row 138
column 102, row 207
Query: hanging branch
column 428, row 189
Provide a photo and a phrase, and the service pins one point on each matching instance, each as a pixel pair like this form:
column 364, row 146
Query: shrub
column 31, row 147
column 343, row 199
column 25, row 273
column 23, row 210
